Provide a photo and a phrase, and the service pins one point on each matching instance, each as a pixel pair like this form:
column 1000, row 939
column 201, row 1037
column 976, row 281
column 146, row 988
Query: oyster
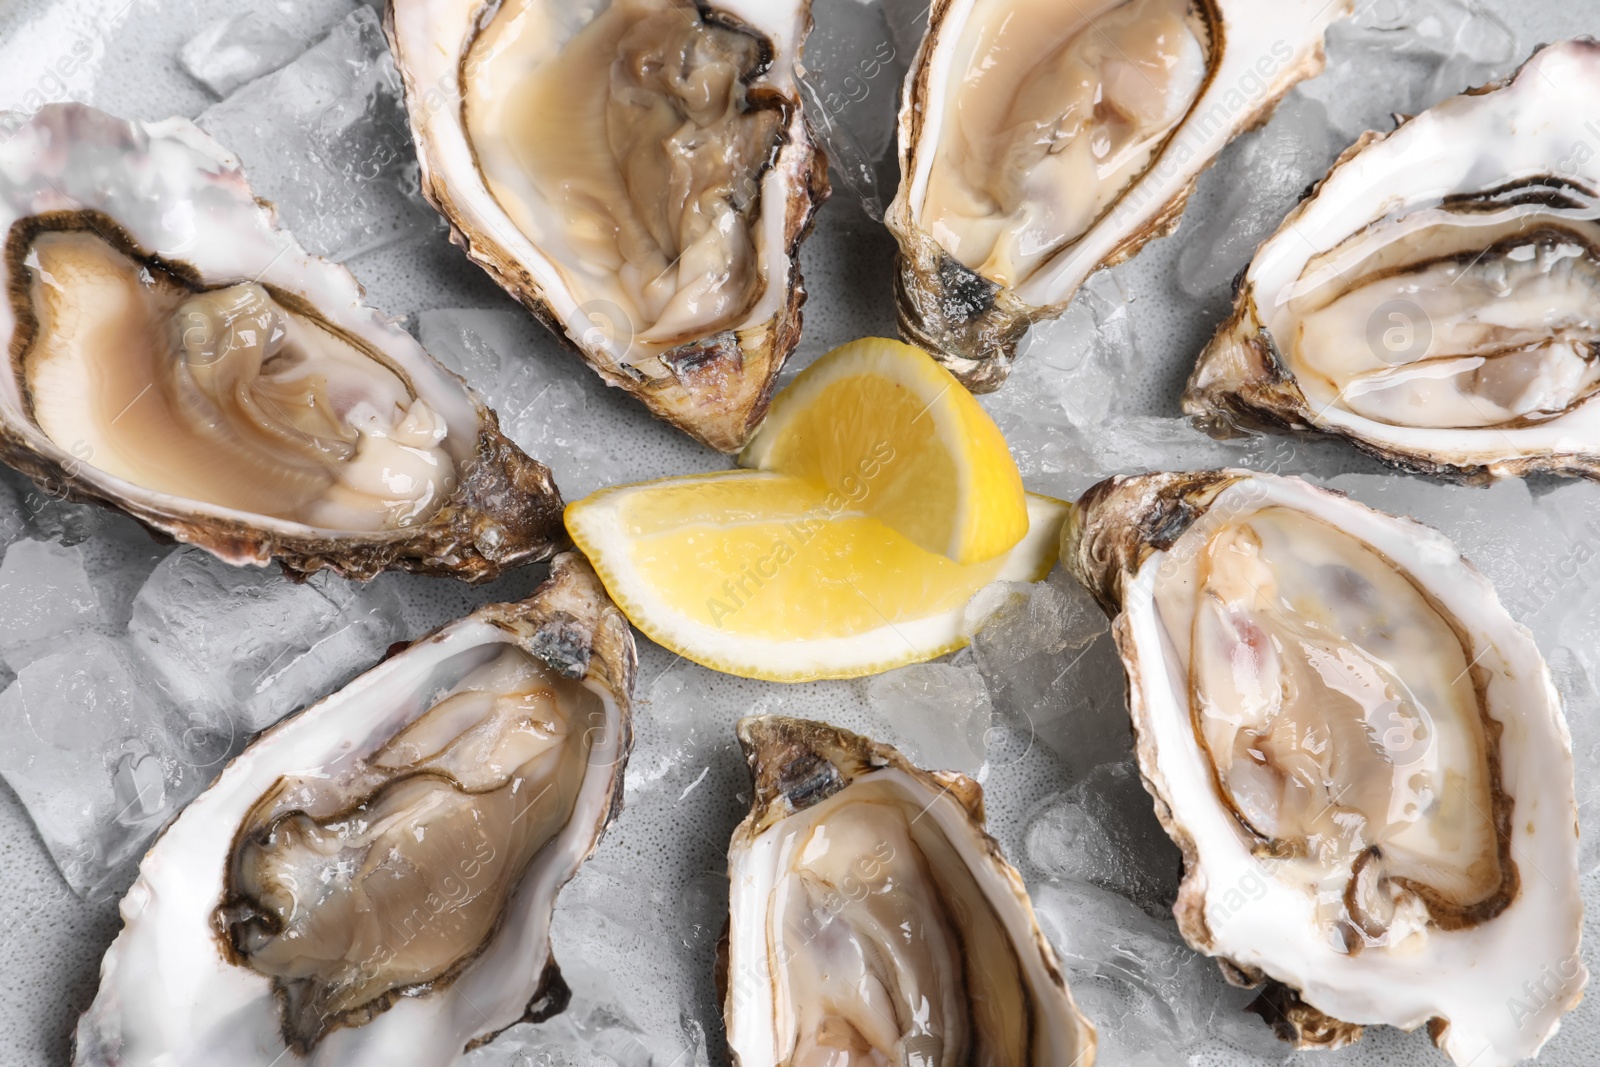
column 177, row 356
column 1041, row 141
column 873, row 920
column 1359, row 752
column 372, row 880
column 1434, row 301
column 637, row 174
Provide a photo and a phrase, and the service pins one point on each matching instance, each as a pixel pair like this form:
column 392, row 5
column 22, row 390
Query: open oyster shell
column 1041, row 141
column 856, row 872
column 1433, row 300
column 637, row 173
column 1359, row 752
column 177, row 356
column 371, row 881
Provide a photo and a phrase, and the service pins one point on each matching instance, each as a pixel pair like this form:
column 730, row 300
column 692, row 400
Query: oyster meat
column 1359, row 752
column 372, row 881
column 177, row 356
column 872, row 920
column 1435, row 300
column 637, row 173
column 1041, row 141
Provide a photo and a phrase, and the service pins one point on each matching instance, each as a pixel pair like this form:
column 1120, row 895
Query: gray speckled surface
column 121, row 55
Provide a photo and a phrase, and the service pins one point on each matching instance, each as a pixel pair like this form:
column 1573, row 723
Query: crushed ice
column 325, row 138
column 133, row 670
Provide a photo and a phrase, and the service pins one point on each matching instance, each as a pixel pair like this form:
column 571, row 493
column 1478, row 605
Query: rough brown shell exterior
column 1118, row 522
column 795, row 763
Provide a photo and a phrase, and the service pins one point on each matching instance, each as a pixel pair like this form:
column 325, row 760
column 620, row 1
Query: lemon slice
column 884, row 426
column 767, row 576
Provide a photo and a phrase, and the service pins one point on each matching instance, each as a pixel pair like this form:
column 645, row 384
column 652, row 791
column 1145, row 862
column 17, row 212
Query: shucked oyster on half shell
column 1436, row 301
column 1359, row 752
column 1041, row 141
column 637, row 173
column 371, row 882
column 872, row 920
column 176, row 355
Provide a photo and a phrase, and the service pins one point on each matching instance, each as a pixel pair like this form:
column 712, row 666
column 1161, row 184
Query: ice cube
column 46, row 592
column 1266, row 173
column 1044, row 650
column 938, row 714
column 99, row 762
column 1065, row 377
column 258, row 40
column 427, row 603
column 14, row 513
column 1468, row 44
column 852, row 76
column 1417, row 52
column 1250, row 1042
column 599, row 924
column 1134, row 444
column 1103, row 831
column 1078, row 359
column 594, row 1038
column 1154, row 1001
column 680, row 701
column 1063, row 841
column 119, row 560
column 46, row 513
column 554, row 407
column 595, row 1030
column 1064, row 410
column 326, row 139
column 1302, row 455
column 908, row 22
column 1151, row 997
column 243, row 646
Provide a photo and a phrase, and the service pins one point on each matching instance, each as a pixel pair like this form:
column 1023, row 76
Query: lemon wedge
column 884, row 426
column 773, row 576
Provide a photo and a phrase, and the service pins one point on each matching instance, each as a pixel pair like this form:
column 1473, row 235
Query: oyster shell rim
column 1119, row 525
column 1159, row 216
column 836, row 758
column 674, row 399
column 505, row 510
column 569, row 623
column 1240, row 382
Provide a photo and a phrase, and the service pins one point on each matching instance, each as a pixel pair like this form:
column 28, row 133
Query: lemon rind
column 593, row 526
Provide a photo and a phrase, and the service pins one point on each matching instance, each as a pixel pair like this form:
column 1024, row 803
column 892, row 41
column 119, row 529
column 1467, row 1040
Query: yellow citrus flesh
column 884, row 427
column 771, row 576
